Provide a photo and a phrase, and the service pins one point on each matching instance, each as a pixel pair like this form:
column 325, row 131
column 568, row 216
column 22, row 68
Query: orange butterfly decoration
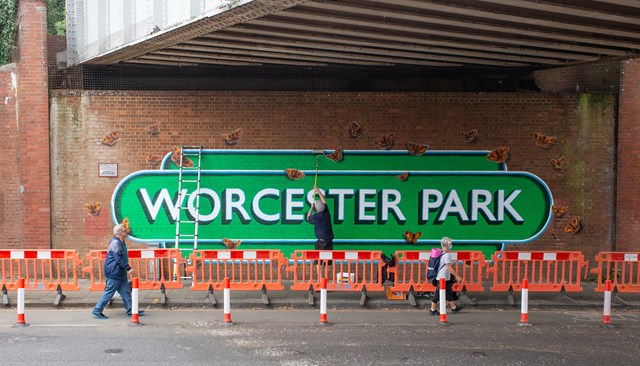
column 177, row 156
column 558, row 163
column 336, row 155
column 111, row 138
column 543, row 140
column 404, row 176
column 294, row 174
column 574, row 226
column 559, row 211
column 470, row 136
column 385, row 142
column 416, row 149
column 127, row 227
column 356, row 130
column 152, row 129
column 499, row 155
column 410, row 237
column 230, row 244
column 153, row 159
column 233, row 137
column 93, row 208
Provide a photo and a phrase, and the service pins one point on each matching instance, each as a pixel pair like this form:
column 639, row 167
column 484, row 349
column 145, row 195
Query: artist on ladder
column 321, row 221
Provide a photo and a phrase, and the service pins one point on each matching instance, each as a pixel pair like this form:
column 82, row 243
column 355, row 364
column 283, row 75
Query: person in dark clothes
column 321, row 221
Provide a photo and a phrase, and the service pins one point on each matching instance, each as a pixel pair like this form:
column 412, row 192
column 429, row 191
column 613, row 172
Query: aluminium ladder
column 188, row 179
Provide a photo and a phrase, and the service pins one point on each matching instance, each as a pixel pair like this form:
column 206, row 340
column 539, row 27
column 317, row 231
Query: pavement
column 288, row 299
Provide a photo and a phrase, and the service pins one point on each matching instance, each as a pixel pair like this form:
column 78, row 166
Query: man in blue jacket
column 116, row 268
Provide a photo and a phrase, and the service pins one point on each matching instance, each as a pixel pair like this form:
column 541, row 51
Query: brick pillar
column 33, row 124
column 628, row 168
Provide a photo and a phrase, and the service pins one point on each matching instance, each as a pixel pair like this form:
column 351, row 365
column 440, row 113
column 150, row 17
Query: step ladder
column 189, row 178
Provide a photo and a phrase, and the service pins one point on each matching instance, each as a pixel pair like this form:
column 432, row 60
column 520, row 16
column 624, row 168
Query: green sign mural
column 356, row 160
column 246, row 195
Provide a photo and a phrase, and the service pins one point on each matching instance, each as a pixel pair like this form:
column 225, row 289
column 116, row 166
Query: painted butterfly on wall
column 573, row 226
column 230, row 244
column 153, row 159
column 127, row 227
column 336, row 155
column 233, row 137
column 558, row 163
column 356, row 130
column 93, row 208
column 559, row 211
column 499, row 155
column 152, row 129
column 385, row 142
column 294, row 174
column 416, row 149
column 111, row 138
column 177, row 157
column 543, row 140
column 410, row 237
column 404, row 176
column 469, row 136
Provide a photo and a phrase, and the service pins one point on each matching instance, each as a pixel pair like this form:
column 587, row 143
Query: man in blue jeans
column 116, row 268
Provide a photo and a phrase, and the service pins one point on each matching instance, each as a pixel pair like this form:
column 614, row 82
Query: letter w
column 161, row 199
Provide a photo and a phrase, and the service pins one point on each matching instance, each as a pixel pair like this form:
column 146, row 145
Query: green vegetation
column 8, row 26
column 56, row 17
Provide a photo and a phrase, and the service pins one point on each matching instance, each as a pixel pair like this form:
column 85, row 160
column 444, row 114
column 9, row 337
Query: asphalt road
column 293, row 337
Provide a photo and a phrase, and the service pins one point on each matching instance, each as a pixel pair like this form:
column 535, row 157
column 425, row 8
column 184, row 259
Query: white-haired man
column 321, row 221
column 116, row 268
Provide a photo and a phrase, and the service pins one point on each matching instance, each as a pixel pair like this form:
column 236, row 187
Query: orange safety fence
column 344, row 270
column 623, row 269
column 410, row 270
column 246, row 269
column 42, row 269
column 545, row 271
column 152, row 266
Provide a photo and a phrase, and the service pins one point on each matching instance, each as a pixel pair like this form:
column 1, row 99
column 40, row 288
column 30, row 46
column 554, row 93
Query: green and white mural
column 246, row 195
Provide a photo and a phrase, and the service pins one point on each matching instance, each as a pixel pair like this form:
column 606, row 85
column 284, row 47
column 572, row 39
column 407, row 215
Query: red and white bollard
column 20, row 321
column 135, row 285
column 323, row 303
column 524, row 309
column 443, row 302
column 227, row 301
column 606, row 319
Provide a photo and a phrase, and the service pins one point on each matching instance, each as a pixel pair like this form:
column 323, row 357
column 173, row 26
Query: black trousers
column 322, row 244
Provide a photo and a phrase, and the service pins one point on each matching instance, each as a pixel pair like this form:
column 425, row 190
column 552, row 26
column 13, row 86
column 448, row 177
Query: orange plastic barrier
column 545, row 271
column 623, row 269
column 47, row 270
column 344, row 270
column 411, row 271
column 246, row 269
column 152, row 266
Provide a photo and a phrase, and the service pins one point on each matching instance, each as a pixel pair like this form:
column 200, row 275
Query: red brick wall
column 583, row 124
column 628, row 180
column 33, row 127
column 25, row 187
column 10, row 197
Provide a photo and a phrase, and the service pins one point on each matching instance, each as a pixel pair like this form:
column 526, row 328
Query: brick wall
column 584, row 125
column 628, row 179
column 33, row 127
column 10, row 197
column 24, row 190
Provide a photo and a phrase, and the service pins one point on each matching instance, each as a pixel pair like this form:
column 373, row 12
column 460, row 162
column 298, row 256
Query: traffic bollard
column 524, row 309
column 606, row 318
column 323, row 303
column 20, row 322
column 135, row 285
column 227, row 301
column 443, row 302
